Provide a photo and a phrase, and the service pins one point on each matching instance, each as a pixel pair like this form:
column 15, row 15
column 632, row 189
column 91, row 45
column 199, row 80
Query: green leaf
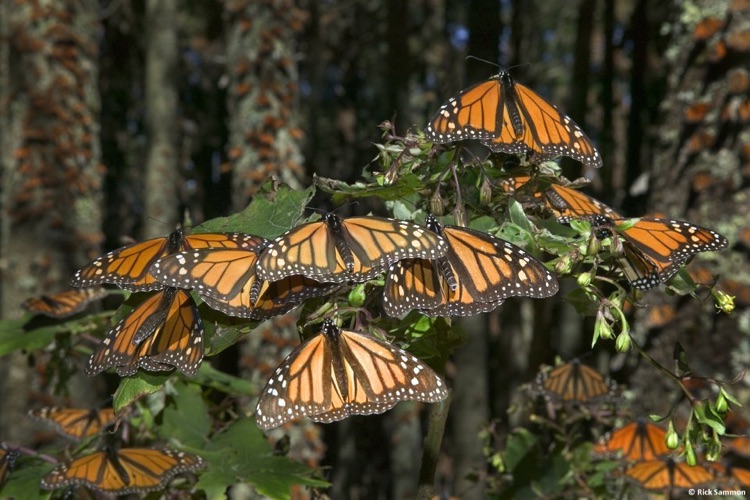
column 518, row 216
column 241, row 453
column 520, row 444
column 24, row 481
column 208, row 376
column 14, row 338
column 270, row 213
column 137, row 386
column 186, row 418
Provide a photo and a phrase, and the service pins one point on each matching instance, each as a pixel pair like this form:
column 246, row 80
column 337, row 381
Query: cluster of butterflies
column 112, row 471
column 642, row 446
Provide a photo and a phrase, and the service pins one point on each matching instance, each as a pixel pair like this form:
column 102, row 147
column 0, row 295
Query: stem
column 433, row 439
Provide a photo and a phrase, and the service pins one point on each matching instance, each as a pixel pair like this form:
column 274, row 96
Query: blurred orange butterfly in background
column 75, row 423
column 635, row 441
column 666, row 474
column 574, row 382
column 129, row 266
column 352, row 249
column 226, row 280
column 339, row 373
column 509, row 117
column 162, row 332
column 63, row 304
column 477, row 273
column 129, row 470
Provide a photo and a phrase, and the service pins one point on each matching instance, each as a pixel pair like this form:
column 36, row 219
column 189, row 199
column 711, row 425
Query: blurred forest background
column 119, row 116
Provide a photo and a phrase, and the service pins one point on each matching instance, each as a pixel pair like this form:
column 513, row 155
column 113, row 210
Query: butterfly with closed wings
column 162, row 332
column 510, row 117
column 478, row 273
column 339, row 373
column 128, row 470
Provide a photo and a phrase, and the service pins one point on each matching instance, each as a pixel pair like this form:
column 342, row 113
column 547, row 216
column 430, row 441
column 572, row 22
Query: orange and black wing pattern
column 667, row 475
column 655, row 249
column 162, row 332
column 574, row 382
column 129, row 267
column 75, row 423
column 129, row 470
column 64, row 304
column 476, row 274
column 512, row 118
column 339, row 250
column 339, row 373
column 8, row 459
column 636, row 441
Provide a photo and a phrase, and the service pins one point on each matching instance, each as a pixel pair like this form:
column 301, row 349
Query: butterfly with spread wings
column 477, row 274
column 128, row 470
column 666, row 474
column 75, row 423
column 226, row 280
column 63, row 304
column 339, row 373
column 510, row 117
column 574, row 382
column 338, row 250
column 653, row 249
column 636, row 441
column 162, row 332
column 129, row 267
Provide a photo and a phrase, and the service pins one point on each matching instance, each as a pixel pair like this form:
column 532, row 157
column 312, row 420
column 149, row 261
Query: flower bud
column 564, row 265
column 357, row 296
column 594, row 244
column 721, row 404
column 622, row 343
column 459, row 215
column 437, row 206
column 690, row 458
column 584, row 279
column 485, row 192
column 672, row 439
column 724, row 301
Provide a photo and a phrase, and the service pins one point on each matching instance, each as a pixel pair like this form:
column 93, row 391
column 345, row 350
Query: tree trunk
column 264, row 136
column 50, row 165
column 162, row 176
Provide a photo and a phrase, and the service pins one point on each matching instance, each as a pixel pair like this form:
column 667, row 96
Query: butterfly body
column 129, row 470
column 338, row 250
column 509, row 117
column 339, row 373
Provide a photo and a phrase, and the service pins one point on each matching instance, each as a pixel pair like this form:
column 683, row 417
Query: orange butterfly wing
column 475, row 113
column 129, row 470
column 75, row 423
column 339, row 373
column 659, row 475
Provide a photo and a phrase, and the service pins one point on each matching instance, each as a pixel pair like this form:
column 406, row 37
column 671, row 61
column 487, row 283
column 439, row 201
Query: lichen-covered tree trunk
column 699, row 172
column 160, row 193
column 50, row 165
column 262, row 96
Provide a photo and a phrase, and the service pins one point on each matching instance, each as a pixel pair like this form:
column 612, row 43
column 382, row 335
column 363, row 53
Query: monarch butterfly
column 8, row 459
column 63, row 304
column 666, row 474
column 566, row 203
column 638, row 441
column 162, row 332
column 476, row 274
column 655, row 249
column 740, row 445
column 129, row 266
column 226, row 280
column 75, row 423
column 129, row 470
column 339, row 373
column 510, row 117
column 574, row 382
column 353, row 249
